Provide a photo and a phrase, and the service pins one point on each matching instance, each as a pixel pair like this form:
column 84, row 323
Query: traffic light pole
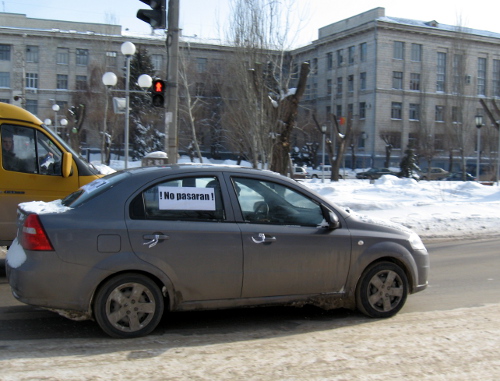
column 172, row 45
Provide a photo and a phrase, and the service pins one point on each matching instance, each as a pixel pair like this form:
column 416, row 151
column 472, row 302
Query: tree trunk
column 286, row 123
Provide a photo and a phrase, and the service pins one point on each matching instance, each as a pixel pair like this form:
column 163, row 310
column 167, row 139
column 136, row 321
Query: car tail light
column 33, row 236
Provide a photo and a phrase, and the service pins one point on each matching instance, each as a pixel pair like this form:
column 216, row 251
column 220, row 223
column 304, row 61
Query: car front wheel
column 382, row 290
column 129, row 305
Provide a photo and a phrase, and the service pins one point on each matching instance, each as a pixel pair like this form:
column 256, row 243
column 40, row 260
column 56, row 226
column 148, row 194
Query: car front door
column 287, row 248
column 32, row 171
column 181, row 226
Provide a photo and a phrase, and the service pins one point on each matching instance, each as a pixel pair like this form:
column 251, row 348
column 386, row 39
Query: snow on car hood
column 382, row 222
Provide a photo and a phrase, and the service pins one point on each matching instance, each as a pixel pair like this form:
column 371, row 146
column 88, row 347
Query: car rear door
column 286, row 250
column 182, row 227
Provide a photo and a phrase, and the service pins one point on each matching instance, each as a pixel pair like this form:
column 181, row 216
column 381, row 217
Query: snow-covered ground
column 434, row 209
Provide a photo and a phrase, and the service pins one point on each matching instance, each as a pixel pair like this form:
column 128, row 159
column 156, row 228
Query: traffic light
column 158, row 93
column 156, row 17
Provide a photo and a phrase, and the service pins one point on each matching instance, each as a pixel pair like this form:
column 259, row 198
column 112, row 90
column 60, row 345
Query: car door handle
column 154, row 239
column 263, row 238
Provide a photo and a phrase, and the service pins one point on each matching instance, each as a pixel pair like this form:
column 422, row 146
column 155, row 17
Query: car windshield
column 93, row 189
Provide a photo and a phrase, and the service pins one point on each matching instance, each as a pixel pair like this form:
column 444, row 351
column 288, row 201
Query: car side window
column 26, row 150
column 18, row 149
column 271, row 203
column 183, row 199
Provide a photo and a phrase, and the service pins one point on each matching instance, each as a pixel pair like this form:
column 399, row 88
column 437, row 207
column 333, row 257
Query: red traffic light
column 158, row 86
column 157, row 93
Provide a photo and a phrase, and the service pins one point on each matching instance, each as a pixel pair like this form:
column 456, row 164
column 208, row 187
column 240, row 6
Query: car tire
column 128, row 305
column 382, row 290
column 314, row 176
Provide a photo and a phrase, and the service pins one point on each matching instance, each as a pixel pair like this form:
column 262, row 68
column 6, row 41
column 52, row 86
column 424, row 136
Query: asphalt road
column 463, row 274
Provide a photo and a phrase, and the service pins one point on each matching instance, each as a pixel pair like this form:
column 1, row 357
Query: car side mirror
column 67, row 164
column 331, row 218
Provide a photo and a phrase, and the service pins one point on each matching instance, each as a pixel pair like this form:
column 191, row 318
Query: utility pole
column 172, row 45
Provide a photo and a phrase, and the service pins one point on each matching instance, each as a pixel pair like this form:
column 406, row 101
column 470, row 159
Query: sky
column 207, row 19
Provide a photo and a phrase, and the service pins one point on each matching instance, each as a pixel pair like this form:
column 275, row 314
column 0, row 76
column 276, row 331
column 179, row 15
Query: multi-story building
column 404, row 83
column 395, row 82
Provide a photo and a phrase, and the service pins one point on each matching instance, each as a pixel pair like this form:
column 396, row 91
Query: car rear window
column 93, row 189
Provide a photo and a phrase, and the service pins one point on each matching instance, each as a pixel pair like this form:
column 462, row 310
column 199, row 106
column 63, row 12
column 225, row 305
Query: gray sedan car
column 126, row 248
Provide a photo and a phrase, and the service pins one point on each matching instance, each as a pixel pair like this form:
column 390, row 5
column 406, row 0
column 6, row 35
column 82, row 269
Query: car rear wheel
column 382, row 290
column 129, row 305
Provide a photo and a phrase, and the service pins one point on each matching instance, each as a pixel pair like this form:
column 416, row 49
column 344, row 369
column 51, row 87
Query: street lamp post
column 109, row 79
column 64, row 123
column 323, row 130
column 479, row 124
column 128, row 50
column 55, row 108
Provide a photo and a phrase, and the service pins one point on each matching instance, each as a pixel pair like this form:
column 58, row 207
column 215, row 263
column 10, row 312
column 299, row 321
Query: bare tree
column 260, row 103
column 341, row 140
column 187, row 103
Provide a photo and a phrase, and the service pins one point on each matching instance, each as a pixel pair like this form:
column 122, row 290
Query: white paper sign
column 174, row 198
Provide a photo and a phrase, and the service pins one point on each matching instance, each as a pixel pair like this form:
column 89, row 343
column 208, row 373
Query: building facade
column 403, row 83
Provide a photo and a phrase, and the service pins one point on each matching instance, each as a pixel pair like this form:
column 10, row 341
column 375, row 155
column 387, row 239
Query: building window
column 201, row 65
column 396, row 110
column 363, row 52
column 32, row 106
column 399, row 50
column 82, row 57
column 5, row 79
column 350, row 111
column 415, row 81
column 416, row 52
column 81, row 82
column 4, row 52
column 339, row 85
column 481, row 76
column 329, row 61
column 200, row 89
column 111, row 59
column 329, row 86
column 393, row 138
column 157, row 60
column 62, row 82
column 362, row 81
column 441, row 72
column 350, row 83
column 32, row 53
column 31, row 80
column 458, row 72
column 314, row 66
column 397, row 80
column 456, row 115
column 362, row 110
column 338, row 114
column 496, row 78
column 413, row 140
column 340, row 57
column 350, row 54
column 414, row 111
column 439, row 142
column 62, row 56
column 439, row 114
